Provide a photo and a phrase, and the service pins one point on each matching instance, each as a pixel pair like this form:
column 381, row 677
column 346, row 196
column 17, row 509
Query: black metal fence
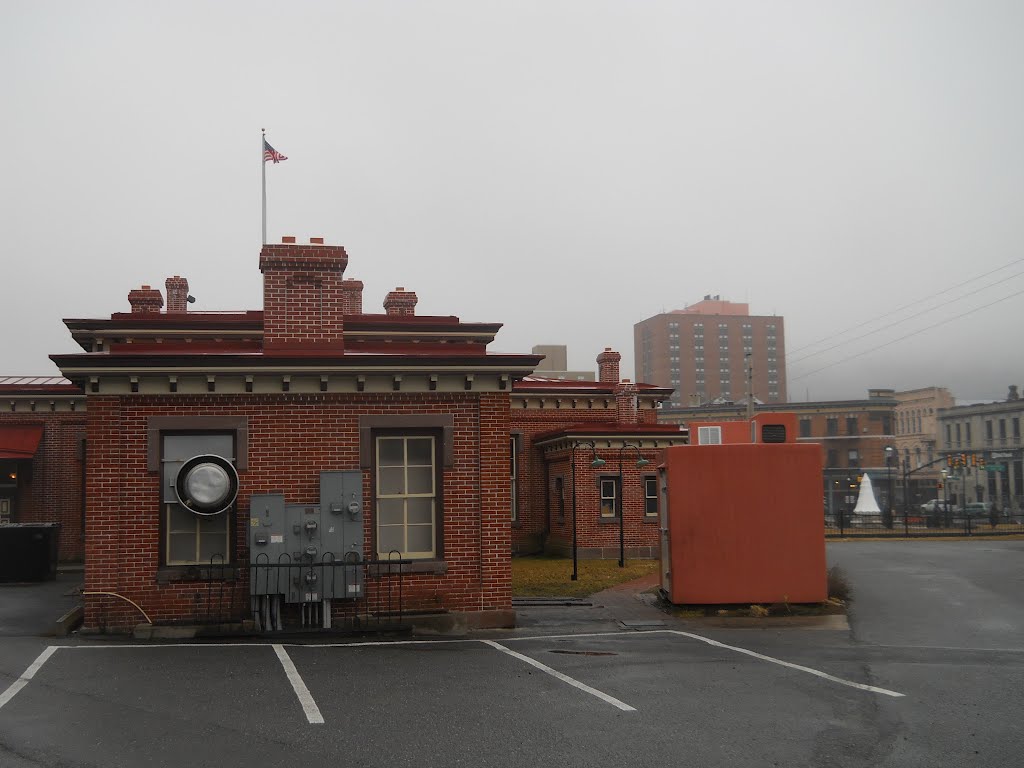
column 898, row 522
column 365, row 595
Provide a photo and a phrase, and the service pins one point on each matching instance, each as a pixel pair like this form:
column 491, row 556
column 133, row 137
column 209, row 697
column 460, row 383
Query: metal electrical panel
column 267, row 544
column 341, row 505
column 314, row 541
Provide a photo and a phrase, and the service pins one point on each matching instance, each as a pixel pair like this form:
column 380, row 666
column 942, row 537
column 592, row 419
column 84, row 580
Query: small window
column 853, row 456
column 609, row 496
column 650, row 496
column 709, row 436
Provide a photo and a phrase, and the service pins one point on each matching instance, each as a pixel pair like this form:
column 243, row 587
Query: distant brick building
column 702, row 352
column 853, row 435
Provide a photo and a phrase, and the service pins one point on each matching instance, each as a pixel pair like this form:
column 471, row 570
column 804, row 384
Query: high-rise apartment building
column 702, row 352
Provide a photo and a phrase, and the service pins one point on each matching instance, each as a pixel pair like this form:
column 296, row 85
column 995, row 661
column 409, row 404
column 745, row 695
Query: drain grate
column 584, row 653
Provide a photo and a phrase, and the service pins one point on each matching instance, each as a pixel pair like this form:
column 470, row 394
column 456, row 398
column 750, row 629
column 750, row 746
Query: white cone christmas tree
column 866, row 504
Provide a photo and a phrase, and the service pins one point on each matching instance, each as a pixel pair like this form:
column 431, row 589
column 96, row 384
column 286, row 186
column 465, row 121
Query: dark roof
column 608, row 428
column 56, row 385
column 540, row 384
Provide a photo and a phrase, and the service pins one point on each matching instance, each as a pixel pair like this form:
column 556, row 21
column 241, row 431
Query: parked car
column 976, row 509
column 936, row 505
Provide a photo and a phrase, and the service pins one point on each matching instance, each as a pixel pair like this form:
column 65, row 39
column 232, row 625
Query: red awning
column 19, row 442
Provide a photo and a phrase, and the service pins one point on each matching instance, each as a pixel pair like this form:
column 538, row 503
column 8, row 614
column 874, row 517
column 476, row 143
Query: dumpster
column 28, row 551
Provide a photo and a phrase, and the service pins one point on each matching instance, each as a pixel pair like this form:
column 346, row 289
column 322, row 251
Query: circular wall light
column 207, row 484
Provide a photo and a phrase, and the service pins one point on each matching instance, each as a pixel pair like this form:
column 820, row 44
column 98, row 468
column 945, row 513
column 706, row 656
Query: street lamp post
column 945, row 496
column 595, row 462
column 640, row 462
column 889, row 453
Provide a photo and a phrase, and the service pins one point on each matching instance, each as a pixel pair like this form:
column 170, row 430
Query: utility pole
column 748, row 359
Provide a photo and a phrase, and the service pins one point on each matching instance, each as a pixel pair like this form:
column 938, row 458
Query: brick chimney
column 145, row 300
column 608, row 366
column 177, row 294
column 352, row 297
column 400, row 302
column 625, row 403
column 302, row 296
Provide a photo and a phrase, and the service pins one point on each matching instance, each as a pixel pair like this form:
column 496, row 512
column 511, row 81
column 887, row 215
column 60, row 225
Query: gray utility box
column 314, row 542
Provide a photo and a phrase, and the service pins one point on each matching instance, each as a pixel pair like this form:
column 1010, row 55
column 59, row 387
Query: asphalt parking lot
column 682, row 694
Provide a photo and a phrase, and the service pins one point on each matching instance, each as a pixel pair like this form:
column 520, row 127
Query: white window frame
column 404, row 551
column 709, row 436
column 603, row 487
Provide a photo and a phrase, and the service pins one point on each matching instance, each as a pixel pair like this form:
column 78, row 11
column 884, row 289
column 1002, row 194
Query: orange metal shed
column 743, row 524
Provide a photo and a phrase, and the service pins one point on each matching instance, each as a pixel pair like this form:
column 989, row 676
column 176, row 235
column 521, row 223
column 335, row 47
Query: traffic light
column 963, row 459
column 981, row 462
column 974, row 459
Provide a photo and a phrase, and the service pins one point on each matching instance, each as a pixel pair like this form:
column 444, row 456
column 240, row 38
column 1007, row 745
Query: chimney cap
column 288, row 239
column 316, row 241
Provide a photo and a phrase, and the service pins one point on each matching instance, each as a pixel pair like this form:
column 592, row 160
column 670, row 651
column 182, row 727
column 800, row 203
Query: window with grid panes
column 191, row 539
column 609, row 496
column 406, row 499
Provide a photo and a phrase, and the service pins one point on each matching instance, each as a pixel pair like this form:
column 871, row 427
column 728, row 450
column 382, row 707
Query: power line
column 907, row 336
column 903, row 320
column 906, row 306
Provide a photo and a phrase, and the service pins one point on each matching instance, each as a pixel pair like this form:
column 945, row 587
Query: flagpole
column 263, row 171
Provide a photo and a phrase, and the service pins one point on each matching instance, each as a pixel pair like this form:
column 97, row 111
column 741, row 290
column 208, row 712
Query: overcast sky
column 565, row 168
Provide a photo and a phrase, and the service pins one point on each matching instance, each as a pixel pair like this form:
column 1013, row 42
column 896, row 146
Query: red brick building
column 461, row 455
column 310, row 384
column 42, row 449
column 559, row 428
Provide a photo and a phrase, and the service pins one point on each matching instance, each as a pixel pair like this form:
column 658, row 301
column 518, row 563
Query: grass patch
column 550, row 576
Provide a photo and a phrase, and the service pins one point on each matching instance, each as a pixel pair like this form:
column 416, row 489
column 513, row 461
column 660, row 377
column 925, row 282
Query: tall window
column 651, row 496
column 805, row 427
column 560, row 497
column 851, row 425
column 832, row 459
column 191, row 539
column 831, row 426
column 609, row 496
column 513, row 471
column 407, row 496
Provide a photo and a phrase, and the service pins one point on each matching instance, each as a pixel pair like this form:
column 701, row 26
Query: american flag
column 269, row 153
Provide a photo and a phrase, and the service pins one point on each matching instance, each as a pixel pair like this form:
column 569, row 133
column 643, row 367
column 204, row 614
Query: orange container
column 743, row 524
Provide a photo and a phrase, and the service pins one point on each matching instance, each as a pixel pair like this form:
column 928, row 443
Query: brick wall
column 50, row 485
column 291, row 439
column 303, row 301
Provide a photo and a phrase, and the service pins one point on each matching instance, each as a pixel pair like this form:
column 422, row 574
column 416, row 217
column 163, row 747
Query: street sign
column 995, row 467
column 1002, row 455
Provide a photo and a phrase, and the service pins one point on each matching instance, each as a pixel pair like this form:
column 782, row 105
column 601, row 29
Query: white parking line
column 301, row 691
column 780, row 662
column 27, row 675
column 564, row 678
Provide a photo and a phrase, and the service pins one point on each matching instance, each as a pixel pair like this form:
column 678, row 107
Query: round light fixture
column 207, row 484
